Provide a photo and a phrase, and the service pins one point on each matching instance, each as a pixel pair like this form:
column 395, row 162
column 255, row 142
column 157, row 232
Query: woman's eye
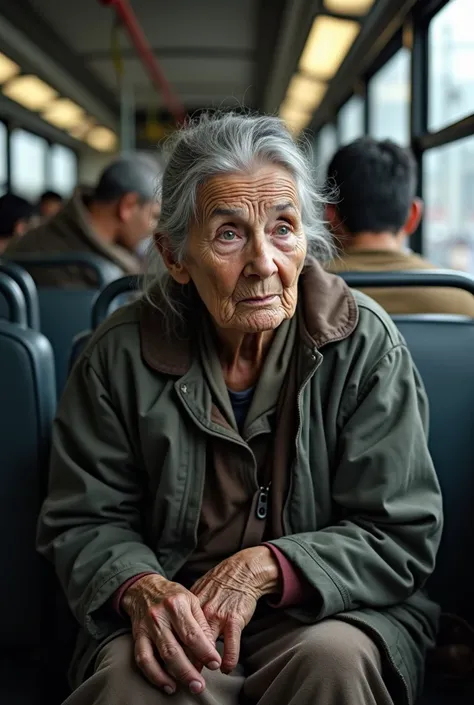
column 227, row 235
column 283, row 230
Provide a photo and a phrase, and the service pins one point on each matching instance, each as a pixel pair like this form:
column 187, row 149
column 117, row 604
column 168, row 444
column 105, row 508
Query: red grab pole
column 129, row 20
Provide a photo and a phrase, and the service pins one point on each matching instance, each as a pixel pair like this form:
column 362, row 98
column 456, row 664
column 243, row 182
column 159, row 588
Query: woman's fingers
column 210, row 627
column 177, row 663
column 232, row 635
column 194, row 633
column 147, row 663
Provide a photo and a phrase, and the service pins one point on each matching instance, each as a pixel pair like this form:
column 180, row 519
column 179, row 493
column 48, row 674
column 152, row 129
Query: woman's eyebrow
column 226, row 211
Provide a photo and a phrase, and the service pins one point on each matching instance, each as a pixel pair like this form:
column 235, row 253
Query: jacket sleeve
column 387, row 496
column 90, row 524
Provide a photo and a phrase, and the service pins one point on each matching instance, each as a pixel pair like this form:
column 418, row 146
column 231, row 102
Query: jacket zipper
column 308, row 377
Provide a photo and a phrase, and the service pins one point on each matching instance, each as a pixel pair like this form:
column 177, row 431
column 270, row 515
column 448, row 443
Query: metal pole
column 127, row 117
column 131, row 24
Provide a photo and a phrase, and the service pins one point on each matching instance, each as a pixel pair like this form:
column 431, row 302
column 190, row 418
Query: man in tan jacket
column 111, row 223
column 374, row 213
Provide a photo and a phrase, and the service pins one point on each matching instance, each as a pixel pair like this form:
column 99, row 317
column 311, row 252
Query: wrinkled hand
column 168, row 620
column 228, row 595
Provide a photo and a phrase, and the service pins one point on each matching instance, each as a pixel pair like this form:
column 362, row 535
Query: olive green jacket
column 363, row 514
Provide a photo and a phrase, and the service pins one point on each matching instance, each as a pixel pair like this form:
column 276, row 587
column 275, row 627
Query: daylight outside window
column 389, row 100
column 451, row 61
column 448, row 230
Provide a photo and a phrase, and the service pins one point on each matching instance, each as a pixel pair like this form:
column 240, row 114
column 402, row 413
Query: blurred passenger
column 15, row 218
column 122, row 210
column 220, row 456
column 49, row 204
column 375, row 213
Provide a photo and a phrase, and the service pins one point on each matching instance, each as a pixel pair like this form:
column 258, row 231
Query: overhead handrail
column 129, row 20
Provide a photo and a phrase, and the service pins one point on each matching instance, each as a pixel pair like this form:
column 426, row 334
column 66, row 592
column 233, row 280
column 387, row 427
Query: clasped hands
column 175, row 630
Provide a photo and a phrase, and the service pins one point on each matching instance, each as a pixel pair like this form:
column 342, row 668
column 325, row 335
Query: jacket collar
column 327, row 309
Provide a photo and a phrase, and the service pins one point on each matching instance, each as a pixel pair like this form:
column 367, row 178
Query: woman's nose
column 261, row 261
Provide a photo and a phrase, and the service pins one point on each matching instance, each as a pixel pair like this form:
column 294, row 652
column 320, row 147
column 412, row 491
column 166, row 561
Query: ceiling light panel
column 30, row 91
column 327, row 45
column 8, row 68
column 348, row 7
column 305, row 93
column 65, row 114
column 295, row 118
column 102, row 139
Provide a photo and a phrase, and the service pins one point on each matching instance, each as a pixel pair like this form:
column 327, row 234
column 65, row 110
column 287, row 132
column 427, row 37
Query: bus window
column 449, row 218
column 351, row 120
column 451, row 57
column 28, row 171
column 63, row 170
column 389, row 100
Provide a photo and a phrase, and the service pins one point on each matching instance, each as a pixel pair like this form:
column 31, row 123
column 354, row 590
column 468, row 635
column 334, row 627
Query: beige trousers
column 285, row 663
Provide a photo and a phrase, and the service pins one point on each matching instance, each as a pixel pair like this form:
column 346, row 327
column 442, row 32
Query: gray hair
column 223, row 144
column 132, row 173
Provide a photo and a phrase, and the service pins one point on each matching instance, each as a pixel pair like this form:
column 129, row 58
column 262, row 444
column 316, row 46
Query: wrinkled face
column 137, row 220
column 246, row 249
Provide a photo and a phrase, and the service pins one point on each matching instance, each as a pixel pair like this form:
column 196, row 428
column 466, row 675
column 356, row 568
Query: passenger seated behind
column 224, row 451
column 15, row 218
column 111, row 222
column 374, row 213
column 49, row 204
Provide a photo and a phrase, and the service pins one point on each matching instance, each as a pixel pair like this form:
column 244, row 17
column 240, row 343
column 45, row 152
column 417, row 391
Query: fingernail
column 195, row 687
column 213, row 665
column 168, row 690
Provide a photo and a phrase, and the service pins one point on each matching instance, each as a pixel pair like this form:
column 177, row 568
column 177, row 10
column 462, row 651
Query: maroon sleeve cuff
column 117, row 598
column 295, row 589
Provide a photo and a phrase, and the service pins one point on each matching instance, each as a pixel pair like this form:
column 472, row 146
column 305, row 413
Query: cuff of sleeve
column 295, row 589
column 117, row 599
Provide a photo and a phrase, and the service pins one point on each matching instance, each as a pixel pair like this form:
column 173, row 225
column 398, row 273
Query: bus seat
column 28, row 289
column 116, row 294
column 26, row 413
column 64, row 313
column 12, row 301
column 443, row 350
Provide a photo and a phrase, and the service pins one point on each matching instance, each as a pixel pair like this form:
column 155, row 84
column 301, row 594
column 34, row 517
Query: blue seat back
column 28, row 403
column 116, row 294
column 12, row 301
column 64, row 313
column 443, row 350
column 28, row 289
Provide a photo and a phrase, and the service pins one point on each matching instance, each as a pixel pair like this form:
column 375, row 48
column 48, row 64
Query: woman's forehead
column 266, row 187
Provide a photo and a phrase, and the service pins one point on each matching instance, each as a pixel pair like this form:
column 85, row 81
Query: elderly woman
column 242, row 506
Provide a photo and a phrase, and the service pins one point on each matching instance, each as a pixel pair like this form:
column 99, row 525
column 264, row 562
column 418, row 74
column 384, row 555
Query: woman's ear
column 176, row 269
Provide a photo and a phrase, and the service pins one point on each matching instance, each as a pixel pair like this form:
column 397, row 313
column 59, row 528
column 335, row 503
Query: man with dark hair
column 375, row 210
column 49, row 204
column 110, row 222
column 15, row 218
